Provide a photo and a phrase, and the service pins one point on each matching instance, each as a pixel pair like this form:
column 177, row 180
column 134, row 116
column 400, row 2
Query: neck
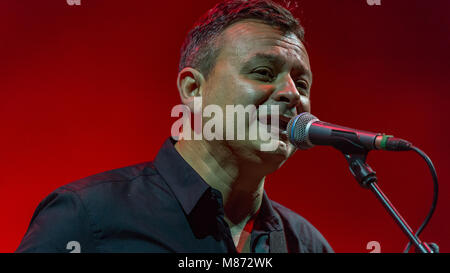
column 241, row 187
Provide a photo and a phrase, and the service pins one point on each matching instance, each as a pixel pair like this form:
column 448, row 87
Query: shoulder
column 301, row 235
column 78, row 211
column 110, row 196
column 120, row 175
column 101, row 190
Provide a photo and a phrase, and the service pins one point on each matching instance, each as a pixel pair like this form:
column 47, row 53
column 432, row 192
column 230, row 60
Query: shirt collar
column 267, row 219
column 189, row 187
column 183, row 180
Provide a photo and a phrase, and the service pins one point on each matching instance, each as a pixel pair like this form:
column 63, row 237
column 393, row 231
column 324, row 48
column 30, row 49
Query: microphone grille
column 297, row 130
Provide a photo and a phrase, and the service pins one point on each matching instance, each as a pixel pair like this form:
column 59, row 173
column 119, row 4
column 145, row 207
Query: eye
column 302, row 85
column 264, row 73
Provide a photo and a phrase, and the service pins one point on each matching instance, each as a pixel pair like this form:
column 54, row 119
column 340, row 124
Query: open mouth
column 282, row 124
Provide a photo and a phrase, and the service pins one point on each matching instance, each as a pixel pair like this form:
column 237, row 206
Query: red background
column 85, row 89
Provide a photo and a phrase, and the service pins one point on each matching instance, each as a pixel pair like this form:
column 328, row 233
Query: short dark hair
column 199, row 50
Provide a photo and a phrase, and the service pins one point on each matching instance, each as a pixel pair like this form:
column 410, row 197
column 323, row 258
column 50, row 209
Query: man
column 201, row 195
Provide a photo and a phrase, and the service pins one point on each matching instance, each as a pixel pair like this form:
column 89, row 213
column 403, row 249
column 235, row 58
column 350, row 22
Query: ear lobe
column 189, row 84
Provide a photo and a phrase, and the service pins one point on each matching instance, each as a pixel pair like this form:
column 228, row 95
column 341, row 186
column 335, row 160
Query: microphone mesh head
column 297, row 130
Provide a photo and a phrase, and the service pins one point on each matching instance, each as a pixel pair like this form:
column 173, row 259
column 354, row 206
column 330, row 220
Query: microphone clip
column 362, row 172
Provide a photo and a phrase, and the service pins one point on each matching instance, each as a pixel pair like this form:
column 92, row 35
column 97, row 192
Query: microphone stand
column 367, row 178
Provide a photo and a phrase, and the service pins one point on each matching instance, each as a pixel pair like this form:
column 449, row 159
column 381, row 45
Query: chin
column 278, row 155
column 270, row 160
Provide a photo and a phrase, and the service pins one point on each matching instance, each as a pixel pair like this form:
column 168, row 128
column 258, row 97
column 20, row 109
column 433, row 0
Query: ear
column 190, row 83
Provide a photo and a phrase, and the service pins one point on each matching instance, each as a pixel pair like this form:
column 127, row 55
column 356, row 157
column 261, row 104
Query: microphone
column 305, row 131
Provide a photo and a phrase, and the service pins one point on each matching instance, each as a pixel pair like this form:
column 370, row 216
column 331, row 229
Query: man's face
column 259, row 65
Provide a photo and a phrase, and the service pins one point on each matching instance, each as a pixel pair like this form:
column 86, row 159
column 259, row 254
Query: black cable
column 435, row 194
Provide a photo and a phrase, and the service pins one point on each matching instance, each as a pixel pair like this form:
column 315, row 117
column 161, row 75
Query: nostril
column 283, row 98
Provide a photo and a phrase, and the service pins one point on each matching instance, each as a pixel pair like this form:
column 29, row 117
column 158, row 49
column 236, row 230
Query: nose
column 287, row 93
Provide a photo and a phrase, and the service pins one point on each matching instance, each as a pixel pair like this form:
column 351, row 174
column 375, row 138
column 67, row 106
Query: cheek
column 233, row 90
column 220, row 88
column 305, row 105
column 227, row 87
column 248, row 92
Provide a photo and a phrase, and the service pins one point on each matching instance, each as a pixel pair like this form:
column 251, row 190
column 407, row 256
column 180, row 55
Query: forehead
column 248, row 38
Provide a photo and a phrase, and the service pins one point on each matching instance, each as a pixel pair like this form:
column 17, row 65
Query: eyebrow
column 278, row 62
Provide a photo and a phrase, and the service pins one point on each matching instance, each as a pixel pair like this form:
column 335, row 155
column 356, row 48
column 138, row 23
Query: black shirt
column 159, row 206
